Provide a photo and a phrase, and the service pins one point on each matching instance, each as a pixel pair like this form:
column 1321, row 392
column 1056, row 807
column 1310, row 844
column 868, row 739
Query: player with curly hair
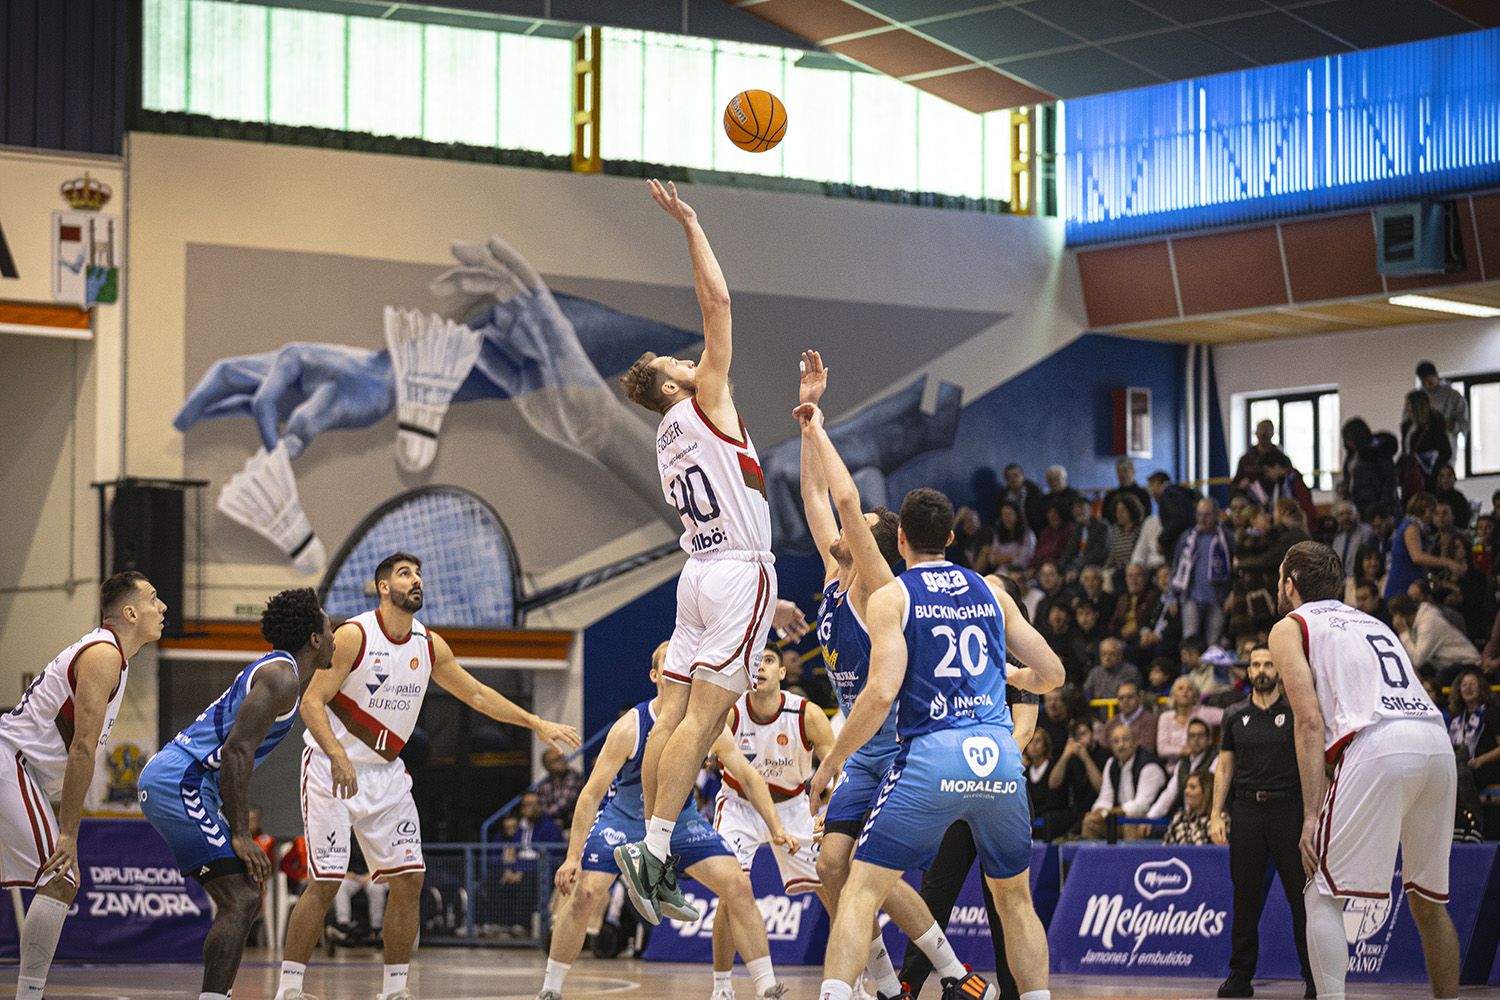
column 195, row 790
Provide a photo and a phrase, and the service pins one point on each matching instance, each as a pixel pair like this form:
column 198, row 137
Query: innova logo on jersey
column 982, row 754
column 939, row 707
column 1155, row 879
column 947, row 581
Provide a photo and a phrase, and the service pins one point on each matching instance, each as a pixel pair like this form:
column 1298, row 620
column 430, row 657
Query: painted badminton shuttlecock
column 430, row 357
column 263, row 497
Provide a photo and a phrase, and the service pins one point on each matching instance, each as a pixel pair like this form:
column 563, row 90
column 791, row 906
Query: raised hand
column 808, row 415
column 666, row 197
column 789, row 621
column 814, row 381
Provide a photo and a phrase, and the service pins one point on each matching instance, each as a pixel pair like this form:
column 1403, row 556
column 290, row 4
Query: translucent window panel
column 307, row 68
column 818, row 126
column 1460, row 461
column 1298, row 432
column 536, row 93
column 680, row 118
column 385, row 77
column 1330, row 441
column 740, row 67
column 623, row 116
column 459, row 85
column 164, row 55
column 885, row 132
column 1263, row 409
column 1484, row 428
column 950, row 148
column 227, row 63
column 996, row 129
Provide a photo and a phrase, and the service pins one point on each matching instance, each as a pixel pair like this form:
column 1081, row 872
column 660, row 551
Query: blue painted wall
column 1059, row 410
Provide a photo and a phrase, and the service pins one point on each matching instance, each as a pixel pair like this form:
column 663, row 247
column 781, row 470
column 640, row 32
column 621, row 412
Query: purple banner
column 133, row 904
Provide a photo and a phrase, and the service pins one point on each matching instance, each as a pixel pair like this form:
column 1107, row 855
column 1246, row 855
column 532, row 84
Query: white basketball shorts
column 1395, row 786
column 744, row 831
column 381, row 814
column 28, row 830
column 724, row 611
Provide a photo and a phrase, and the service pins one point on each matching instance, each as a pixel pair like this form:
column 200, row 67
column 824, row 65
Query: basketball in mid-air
column 755, row 120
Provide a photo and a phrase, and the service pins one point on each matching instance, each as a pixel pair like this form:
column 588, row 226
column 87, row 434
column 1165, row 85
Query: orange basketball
column 755, row 120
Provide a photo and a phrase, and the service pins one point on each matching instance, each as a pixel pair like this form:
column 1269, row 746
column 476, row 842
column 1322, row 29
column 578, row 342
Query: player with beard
column 1258, row 757
column 359, row 714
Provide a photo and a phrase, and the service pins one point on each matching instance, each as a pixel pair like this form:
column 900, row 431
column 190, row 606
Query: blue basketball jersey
column 625, row 797
column 204, row 737
column 955, row 645
column 846, row 654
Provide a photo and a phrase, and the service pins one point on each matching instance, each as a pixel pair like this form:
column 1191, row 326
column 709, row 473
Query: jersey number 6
column 1385, row 652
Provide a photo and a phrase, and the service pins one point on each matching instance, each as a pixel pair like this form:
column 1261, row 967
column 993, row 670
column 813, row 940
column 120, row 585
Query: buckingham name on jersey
column 716, row 484
column 958, row 758
column 376, row 708
column 179, row 786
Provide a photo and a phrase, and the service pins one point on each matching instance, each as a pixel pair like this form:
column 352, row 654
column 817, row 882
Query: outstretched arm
column 815, row 505
column 485, row 700
column 713, row 300
column 618, row 746
column 273, row 692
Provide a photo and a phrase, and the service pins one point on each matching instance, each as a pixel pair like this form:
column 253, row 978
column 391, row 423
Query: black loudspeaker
column 146, row 524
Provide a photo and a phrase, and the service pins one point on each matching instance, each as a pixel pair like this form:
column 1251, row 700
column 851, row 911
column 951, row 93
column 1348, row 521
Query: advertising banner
column 133, row 904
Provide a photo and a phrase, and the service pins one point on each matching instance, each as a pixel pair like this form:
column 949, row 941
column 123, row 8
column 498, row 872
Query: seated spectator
column 1091, row 628
column 1369, row 471
column 534, row 826
column 1050, row 581
column 1090, row 588
column 1433, row 643
column 1490, row 662
column 1105, row 679
column 1173, row 725
column 1135, row 712
column 1015, row 542
column 1353, row 535
column 1059, row 493
column 1198, row 755
column 1026, row 495
column 1132, row 781
column 1200, row 575
column 1148, row 547
column 1474, row 725
column 1190, row 825
column 1135, row 615
column 1055, row 541
column 1160, row 678
column 1079, row 772
column 1482, row 554
column 1369, row 567
column 559, row 790
column 1066, row 642
column 1280, row 481
column 1430, row 686
column 1410, row 559
column 1367, row 599
column 1209, row 675
column 1383, row 521
column 1448, row 495
column 1174, row 506
column 971, row 541
column 1054, row 719
column 1128, row 487
column 1090, row 541
column 1424, row 437
column 1050, row 806
column 1247, row 471
column 1125, row 516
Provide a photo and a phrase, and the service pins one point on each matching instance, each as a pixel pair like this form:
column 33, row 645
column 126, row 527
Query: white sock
column 1327, row 948
column 1037, row 995
column 556, row 973
column 762, row 976
column 939, row 952
column 213, row 996
column 395, row 979
column 39, row 933
column 292, row 974
column 878, row 970
column 723, row 979
column 832, row 989
column 659, row 836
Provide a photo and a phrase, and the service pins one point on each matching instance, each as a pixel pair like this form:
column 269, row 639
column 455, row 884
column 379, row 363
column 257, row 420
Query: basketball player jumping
column 359, row 715
column 1360, row 706
column 710, row 472
column 777, row 733
column 200, row 782
column 938, row 640
column 589, row 869
column 51, row 742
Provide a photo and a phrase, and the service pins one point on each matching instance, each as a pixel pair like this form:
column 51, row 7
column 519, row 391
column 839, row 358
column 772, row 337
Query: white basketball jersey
column 1361, row 671
column 40, row 727
column 778, row 747
column 376, row 709
column 716, row 484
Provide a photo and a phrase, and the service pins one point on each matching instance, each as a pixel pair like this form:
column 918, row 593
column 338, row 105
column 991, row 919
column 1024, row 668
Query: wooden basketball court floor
column 494, row 974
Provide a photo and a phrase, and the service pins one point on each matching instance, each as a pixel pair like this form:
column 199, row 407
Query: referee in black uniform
column 1258, row 759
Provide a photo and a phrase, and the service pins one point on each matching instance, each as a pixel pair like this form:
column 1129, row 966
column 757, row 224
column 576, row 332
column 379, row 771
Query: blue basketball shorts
column 181, row 799
column 693, row 840
column 971, row 774
column 864, row 773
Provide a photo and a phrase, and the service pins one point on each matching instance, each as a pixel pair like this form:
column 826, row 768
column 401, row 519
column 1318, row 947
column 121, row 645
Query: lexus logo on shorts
column 982, row 755
column 406, row 828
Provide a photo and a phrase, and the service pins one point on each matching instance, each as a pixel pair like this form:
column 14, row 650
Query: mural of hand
column 311, row 388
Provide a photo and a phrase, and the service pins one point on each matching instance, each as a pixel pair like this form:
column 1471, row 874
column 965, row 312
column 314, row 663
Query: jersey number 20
column 970, row 646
